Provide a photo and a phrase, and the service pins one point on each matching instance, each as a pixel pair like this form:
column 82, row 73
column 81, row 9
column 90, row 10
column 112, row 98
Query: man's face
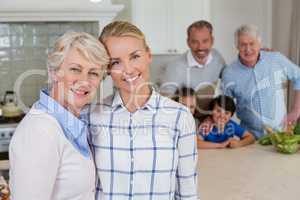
column 249, row 48
column 200, row 41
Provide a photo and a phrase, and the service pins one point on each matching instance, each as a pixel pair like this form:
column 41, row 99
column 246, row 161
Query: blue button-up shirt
column 148, row 154
column 260, row 91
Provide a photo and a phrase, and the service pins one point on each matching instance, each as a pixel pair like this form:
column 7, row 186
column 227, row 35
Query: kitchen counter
column 253, row 172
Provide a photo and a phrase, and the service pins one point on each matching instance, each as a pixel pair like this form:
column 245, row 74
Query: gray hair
column 248, row 29
column 88, row 46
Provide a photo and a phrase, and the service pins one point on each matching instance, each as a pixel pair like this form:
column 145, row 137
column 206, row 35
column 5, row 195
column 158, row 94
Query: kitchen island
column 253, row 172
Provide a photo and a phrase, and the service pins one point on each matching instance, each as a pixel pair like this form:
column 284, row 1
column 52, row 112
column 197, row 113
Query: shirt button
column 132, row 159
column 131, row 182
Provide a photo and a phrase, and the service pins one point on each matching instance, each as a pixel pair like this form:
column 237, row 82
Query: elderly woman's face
column 249, row 48
column 129, row 65
column 77, row 80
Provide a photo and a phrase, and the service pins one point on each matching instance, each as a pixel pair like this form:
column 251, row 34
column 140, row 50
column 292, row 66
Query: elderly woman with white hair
column 50, row 157
column 257, row 81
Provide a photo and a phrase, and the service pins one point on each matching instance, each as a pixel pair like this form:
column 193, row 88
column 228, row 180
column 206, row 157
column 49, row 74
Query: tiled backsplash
column 24, row 47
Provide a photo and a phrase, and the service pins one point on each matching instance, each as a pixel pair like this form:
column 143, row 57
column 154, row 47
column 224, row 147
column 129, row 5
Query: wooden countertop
column 253, row 172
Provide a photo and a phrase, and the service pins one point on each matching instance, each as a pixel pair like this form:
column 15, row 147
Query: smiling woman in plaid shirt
column 144, row 143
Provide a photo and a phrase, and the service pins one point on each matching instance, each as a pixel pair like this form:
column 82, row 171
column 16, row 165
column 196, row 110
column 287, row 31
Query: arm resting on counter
column 201, row 144
column 293, row 116
column 247, row 139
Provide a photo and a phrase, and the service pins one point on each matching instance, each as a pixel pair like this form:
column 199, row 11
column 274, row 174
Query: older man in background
column 199, row 68
column 257, row 80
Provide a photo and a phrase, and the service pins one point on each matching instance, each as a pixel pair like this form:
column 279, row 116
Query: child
column 187, row 97
column 224, row 130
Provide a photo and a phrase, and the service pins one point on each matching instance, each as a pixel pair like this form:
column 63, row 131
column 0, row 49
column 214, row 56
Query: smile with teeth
column 79, row 92
column 131, row 79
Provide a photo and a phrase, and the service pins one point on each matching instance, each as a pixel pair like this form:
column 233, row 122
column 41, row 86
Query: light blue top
column 259, row 91
column 75, row 129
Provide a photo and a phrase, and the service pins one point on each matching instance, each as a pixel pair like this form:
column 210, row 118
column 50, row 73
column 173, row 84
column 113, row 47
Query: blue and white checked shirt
column 148, row 154
column 260, row 91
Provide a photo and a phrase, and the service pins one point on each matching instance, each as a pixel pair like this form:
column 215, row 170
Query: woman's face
column 129, row 64
column 76, row 81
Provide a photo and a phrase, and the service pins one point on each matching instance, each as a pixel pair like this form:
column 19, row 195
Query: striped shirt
column 148, row 154
column 260, row 91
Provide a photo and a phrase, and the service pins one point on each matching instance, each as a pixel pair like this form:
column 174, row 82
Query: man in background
column 257, row 80
column 199, row 68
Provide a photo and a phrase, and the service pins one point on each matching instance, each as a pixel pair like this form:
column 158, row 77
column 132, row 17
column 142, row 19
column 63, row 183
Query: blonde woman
column 144, row 143
column 50, row 158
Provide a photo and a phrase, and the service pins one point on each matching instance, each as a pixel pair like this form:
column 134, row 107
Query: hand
column 290, row 118
column 223, row 144
column 267, row 49
column 206, row 126
column 233, row 143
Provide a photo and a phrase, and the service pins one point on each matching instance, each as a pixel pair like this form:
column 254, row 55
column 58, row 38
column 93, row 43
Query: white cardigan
column 44, row 165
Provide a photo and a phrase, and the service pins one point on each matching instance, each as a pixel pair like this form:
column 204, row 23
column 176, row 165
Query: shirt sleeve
column 186, row 174
column 292, row 71
column 34, row 161
column 238, row 130
column 227, row 85
column 223, row 68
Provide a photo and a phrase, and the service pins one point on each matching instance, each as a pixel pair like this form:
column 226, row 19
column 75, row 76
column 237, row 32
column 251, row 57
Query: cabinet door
column 183, row 14
column 153, row 18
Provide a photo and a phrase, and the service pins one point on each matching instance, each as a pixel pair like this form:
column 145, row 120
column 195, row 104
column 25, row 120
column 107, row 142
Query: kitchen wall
column 24, row 47
column 226, row 16
column 282, row 13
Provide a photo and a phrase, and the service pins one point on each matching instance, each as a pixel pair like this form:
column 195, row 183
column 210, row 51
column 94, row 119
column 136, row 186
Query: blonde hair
column 87, row 45
column 122, row 29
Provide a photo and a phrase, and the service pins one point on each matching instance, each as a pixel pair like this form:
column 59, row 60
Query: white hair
column 248, row 29
column 92, row 49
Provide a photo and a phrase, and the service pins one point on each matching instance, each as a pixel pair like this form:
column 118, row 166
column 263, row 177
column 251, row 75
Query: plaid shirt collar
column 151, row 104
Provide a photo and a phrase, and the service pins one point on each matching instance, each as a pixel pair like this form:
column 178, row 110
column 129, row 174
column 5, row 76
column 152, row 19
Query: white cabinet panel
column 152, row 18
column 227, row 16
column 165, row 22
column 185, row 13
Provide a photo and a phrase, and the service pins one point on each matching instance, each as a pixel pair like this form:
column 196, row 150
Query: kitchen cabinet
column 165, row 22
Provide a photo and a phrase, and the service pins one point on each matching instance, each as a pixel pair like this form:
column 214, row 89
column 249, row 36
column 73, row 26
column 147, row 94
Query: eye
column 194, row 41
column 75, row 69
column 205, row 41
column 135, row 56
column 114, row 63
column 95, row 74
